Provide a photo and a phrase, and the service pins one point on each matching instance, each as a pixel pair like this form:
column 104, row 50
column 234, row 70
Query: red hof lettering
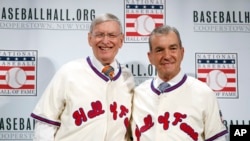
column 113, row 110
column 164, row 120
column 124, row 111
column 189, row 130
column 178, row 117
column 97, row 109
column 80, row 115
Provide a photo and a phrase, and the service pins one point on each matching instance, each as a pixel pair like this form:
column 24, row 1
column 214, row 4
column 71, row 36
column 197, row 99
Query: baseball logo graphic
column 144, row 24
column 216, row 80
column 15, row 77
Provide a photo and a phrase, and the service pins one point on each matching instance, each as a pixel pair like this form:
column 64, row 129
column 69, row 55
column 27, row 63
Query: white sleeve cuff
column 44, row 131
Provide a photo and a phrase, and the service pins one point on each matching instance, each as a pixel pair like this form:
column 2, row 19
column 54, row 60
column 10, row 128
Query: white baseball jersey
column 187, row 111
column 85, row 104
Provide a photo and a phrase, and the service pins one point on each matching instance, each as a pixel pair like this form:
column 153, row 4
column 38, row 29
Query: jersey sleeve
column 214, row 127
column 44, row 132
column 52, row 101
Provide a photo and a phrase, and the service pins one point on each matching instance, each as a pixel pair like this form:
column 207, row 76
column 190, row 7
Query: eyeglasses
column 109, row 35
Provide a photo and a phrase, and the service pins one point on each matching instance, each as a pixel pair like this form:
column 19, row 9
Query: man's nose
column 106, row 39
column 166, row 53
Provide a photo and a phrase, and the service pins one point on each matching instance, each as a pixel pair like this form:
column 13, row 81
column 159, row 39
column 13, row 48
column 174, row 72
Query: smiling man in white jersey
column 173, row 106
column 83, row 101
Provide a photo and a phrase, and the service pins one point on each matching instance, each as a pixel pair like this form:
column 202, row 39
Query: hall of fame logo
column 141, row 17
column 219, row 71
column 18, row 72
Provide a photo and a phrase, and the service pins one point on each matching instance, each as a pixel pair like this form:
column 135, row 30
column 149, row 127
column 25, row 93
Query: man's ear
column 89, row 39
column 122, row 40
column 149, row 57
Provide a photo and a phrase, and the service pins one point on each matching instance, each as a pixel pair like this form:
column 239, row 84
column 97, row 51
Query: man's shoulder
column 73, row 64
column 145, row 84
column 196, row 81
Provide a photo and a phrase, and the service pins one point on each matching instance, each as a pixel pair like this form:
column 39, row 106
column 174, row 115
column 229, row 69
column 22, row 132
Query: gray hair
column 164, row 30
column 103, row 18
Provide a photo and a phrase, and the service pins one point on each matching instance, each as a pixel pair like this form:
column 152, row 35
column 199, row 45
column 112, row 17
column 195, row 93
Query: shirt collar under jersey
column 99, row 65
column 173, row 81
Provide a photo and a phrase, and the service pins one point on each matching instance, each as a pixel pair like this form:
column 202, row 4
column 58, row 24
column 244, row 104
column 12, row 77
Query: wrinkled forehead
column 116, row 24
column 110, row 26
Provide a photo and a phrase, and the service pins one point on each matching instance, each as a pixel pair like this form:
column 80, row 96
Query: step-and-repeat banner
column 38, row 36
